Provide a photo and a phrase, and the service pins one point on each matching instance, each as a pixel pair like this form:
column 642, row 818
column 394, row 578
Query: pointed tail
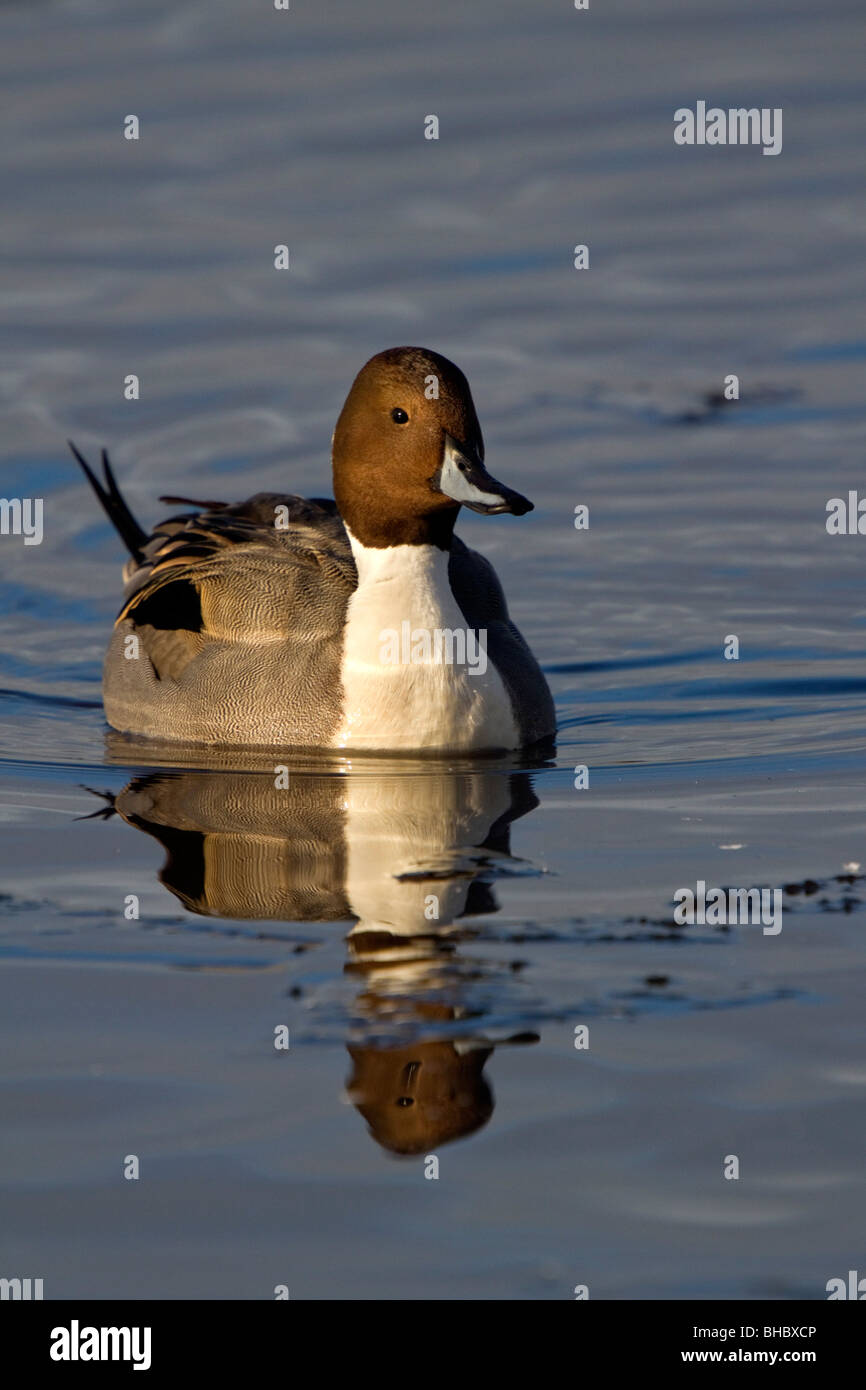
column 116, row 509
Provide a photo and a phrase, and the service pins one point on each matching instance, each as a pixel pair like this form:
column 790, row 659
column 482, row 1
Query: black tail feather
column 115, row 508
column 104, row 812
column 199, row 502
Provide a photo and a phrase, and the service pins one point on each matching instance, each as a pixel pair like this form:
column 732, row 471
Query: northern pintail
column 359, row 624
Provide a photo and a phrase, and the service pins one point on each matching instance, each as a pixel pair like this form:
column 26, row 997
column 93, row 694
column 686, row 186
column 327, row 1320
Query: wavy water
column 431, row 932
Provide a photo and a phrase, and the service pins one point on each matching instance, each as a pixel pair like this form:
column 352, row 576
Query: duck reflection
column 416, row 1098
column 408, row 858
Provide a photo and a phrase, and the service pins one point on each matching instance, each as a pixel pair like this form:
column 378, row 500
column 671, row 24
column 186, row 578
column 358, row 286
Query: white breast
column 412, row 675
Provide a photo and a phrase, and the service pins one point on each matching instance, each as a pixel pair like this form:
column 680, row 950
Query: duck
column 360, row 623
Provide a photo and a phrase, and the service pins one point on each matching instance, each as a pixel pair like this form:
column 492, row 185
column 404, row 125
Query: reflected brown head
column 415, row 1098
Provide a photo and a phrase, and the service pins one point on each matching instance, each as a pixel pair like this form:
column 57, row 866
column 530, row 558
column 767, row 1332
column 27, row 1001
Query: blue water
column 154, row 1033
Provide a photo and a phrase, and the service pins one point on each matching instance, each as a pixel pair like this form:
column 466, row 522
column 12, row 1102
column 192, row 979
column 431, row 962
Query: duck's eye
column 399, row 416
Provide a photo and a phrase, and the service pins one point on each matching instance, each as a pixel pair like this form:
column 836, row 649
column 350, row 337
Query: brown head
column 417, row 1097
column 408, row 452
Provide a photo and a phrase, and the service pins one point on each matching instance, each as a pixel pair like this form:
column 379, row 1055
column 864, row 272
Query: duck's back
column 231, row 630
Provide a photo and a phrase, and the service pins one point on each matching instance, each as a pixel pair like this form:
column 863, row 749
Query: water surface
column 260, row 909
